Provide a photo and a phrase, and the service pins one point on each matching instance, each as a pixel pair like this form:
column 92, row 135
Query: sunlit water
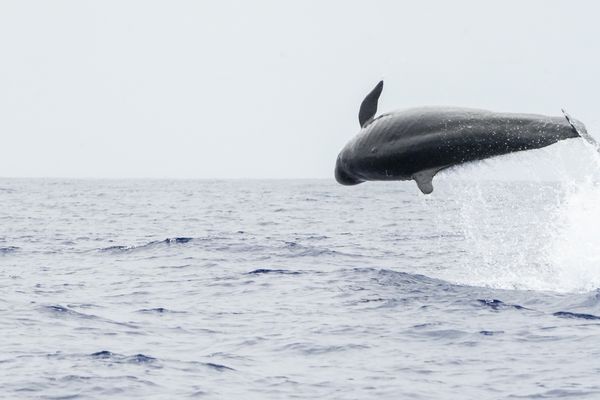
column 299, row 289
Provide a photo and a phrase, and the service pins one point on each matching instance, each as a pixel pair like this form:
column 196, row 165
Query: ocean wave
column 120, row 358
column 61, row 311
column 273, row 271
column 572, row 315
column 218, row 367
column 152, row 244
column 389, row 277
column 58, row 309
column 496, row 304
column 299, row 250
column 316, row 349
column 287, row 249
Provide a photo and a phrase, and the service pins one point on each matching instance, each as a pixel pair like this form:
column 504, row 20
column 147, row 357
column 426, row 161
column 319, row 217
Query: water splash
column 509, row 244
column 574, row 252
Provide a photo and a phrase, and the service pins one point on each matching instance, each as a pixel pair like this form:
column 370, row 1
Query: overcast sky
column 268, row 89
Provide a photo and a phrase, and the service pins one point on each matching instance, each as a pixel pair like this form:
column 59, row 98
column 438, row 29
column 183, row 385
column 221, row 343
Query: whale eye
column 373, row 150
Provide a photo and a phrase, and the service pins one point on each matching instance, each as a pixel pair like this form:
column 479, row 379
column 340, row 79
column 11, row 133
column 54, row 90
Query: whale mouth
column 342, row 177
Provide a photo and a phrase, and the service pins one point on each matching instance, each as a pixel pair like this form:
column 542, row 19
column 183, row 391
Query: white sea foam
column 573, row 255
column 542, row 235
column 574, row 251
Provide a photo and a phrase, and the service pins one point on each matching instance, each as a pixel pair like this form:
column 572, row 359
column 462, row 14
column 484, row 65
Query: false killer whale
column 417, row 143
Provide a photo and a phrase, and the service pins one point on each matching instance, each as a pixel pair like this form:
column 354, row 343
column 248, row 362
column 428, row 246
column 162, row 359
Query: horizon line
column 455, row 179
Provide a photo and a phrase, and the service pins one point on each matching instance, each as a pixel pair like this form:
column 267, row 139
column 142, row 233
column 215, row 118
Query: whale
column 417, row 143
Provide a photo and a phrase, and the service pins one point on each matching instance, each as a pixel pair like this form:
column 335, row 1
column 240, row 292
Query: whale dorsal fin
column 368, row 107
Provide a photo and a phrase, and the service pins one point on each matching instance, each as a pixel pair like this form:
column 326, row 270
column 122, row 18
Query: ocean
column 268, row 289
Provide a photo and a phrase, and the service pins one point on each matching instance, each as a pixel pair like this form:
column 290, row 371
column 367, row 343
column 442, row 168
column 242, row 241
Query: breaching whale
column 418, row 143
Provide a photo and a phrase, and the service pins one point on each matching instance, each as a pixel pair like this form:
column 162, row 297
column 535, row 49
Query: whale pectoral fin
column 368, row 107
column 424, row 180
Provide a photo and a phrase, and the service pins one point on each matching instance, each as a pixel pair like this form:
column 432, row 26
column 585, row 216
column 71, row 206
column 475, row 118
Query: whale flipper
column 424, row 179
column 368, row 107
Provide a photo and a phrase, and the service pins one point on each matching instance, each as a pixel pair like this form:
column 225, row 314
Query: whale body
column 417, row 143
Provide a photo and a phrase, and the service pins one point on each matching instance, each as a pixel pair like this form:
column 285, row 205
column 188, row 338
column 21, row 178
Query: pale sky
column 268, row 89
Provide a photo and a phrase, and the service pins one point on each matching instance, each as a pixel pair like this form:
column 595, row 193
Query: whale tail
column 580, row 130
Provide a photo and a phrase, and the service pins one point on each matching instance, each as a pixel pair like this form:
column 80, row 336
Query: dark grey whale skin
column 417, row 143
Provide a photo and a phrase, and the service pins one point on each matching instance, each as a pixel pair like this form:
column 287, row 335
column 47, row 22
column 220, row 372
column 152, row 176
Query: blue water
column 298, row 289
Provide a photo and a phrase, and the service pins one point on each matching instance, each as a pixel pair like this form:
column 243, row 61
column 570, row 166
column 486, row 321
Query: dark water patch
column 120, row 358
column 83, row 305
column 317, row 237
column 273, row 271
column 378, row 299
column 8, row 249
column 140, row 359
column 58, row 309
column 71, row 378
column 490, row 333
column 426, row 325
column 219, row 367
column 159, row 310
column 572, row 315
column 548, row 328
column 178, row 240
column 497, row 305
column 103, row 354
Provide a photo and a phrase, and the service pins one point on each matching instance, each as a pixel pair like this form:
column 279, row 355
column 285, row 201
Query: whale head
column 342, row 176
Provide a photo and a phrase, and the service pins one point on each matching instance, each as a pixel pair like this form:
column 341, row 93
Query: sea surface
column 266, row 289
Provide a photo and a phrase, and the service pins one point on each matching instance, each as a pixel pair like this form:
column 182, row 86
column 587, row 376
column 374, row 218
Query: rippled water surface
column 298, row 289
